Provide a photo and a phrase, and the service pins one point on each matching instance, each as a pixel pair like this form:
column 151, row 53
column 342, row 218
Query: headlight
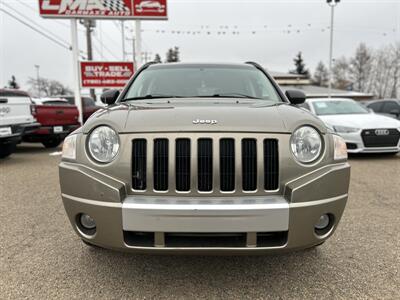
column 345, row 129
column 340, row 148
column 103, row 144
column 306, row 144
column 69, row 147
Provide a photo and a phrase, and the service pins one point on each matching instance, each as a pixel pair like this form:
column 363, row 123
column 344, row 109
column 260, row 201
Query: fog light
column 323, row 222
column 87, row 221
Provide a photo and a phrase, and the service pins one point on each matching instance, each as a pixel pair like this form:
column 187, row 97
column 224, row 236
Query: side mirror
column 395, row 112
column 295, row 96
column 371, row 111
column 109, row 97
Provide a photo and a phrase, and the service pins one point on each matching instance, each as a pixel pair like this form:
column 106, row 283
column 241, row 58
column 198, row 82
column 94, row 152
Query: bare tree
column 47, row 87
column 380, row 73
column 395, row 92
column 321, row 75
column 360, row 67
column 341, row 76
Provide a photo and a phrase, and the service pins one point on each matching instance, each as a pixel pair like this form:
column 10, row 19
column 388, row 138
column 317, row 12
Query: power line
column 105, row 47
column 35, row 29
column 38, row 25
column 53, row 20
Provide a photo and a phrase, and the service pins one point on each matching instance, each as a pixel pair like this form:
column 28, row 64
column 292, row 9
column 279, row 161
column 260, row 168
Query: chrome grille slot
column 139, row 157
column 249, row 164
column 217, row 163
column 271, row 164
column 182, row 165
column 227, row 164
column 160, row 167
column 204, row 165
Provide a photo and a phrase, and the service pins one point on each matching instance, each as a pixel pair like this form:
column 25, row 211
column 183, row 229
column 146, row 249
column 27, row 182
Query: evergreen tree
column 300, row 66
column 321, row 75
column 173, row 55
column 157, row 58
column 13, row 83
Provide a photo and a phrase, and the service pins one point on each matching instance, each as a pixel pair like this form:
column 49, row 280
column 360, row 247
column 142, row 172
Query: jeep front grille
column 204, row 165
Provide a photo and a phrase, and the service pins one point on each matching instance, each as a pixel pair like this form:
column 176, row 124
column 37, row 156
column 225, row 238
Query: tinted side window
column 88, row 102
column 389, row 106
column 376, row 106
column 304, row 105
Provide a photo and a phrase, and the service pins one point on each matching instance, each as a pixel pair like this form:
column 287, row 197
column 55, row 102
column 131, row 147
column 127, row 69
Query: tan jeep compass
column 197, row 158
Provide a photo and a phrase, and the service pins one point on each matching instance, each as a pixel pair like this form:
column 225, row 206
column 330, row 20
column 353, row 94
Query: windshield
column 338, row 108
column 203, row 82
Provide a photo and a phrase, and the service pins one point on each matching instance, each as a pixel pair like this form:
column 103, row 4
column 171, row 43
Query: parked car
column 204, row 158
column 387, row 107
column 16, row 119
column 57, row 119
column 88, row 104
column 362, row 130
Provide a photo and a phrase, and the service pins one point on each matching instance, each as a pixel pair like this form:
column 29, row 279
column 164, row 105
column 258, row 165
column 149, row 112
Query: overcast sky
column 270, row 32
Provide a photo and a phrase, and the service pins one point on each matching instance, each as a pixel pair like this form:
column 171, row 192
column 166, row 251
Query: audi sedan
column 363, row 131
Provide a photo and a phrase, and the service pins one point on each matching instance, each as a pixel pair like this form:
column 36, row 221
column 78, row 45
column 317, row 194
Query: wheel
column 53, row 143
column 6, row 150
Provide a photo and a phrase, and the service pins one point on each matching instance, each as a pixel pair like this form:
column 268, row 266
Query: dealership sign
column 108, row 9
column 95, row 74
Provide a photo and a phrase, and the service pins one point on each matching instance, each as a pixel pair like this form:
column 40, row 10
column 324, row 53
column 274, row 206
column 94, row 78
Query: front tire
column 6, row 150
column 53, row 143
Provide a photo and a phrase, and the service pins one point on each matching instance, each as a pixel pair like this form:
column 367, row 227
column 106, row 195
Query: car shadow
column 210, row 274
column 373, row 156
column 34, row 148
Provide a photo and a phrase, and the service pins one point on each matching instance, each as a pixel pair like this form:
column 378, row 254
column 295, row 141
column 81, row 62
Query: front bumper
column 355, row 144
column 259, row 224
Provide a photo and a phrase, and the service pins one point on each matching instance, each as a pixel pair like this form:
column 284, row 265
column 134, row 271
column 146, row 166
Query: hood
column 362, row 121
column 194, row 115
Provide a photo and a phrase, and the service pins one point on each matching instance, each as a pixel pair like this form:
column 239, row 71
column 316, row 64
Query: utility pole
column 89, row 25
column 37, row 67
column 332, row 4
column 146, row 56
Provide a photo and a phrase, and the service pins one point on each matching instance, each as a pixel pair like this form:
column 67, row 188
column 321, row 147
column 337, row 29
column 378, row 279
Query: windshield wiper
column 229, row 95
column 150, row 96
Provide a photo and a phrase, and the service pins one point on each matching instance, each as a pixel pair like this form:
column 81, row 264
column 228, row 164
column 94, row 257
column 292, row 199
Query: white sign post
column 138, row 44
column 75, row 68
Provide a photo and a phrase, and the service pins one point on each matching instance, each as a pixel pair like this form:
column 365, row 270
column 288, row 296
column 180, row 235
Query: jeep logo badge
column 382, row 131
column 209, row 122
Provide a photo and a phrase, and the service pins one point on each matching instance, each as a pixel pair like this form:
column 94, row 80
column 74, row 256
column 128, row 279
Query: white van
column 16, row 119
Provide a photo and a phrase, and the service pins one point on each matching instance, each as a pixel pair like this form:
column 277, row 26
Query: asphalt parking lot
column 41, row 257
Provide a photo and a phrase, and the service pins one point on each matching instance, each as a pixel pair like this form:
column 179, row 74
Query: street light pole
column 332, row 4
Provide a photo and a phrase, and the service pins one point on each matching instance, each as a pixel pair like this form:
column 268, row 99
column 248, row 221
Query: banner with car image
column 107, row 9
column 97, row 74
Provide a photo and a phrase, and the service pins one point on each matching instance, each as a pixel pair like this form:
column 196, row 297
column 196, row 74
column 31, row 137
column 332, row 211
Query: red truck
column 88, row 105
column 57, row 119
